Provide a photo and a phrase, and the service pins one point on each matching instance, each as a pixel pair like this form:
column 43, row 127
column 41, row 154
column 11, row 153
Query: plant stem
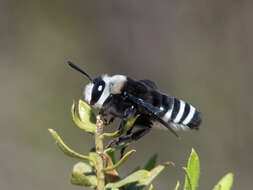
column 99, row 151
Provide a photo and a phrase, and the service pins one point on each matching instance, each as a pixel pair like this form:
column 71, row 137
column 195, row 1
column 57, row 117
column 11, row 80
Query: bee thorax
column 117, row 84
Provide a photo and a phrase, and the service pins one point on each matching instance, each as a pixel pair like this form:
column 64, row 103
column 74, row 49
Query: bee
column 119, row 96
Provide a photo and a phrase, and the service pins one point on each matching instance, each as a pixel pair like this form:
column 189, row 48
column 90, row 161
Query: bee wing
column 149, row 83
column 152, row 110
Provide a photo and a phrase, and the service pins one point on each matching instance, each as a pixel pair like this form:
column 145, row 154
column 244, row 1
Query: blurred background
column 200, row 51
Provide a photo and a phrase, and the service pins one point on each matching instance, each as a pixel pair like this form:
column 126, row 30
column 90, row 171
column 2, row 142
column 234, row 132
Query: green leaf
column 151, row 163
column 146, row 181
column 93, row 157
column 192, row 172
column 225, row 183
column 68, row 151
column 134, row 177
column 187, row 185
column 122, row 160
column 117, row 147
column 87, row 120
column 85, row 113
column 177, row 186
column 83, row 175
column 153, row 174
column 80, row 179
column 151, row 187
column 114, row 134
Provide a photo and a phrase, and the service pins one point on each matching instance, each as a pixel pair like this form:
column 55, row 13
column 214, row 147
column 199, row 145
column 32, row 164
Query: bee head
column 98, row 91
column 94, row 89
column 100, row 88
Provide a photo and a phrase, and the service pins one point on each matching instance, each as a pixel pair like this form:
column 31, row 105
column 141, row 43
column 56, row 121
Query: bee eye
column 100, row 87
column 97, row 91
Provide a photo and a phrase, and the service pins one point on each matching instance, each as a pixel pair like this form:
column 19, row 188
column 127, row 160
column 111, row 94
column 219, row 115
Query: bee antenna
column 79, row 69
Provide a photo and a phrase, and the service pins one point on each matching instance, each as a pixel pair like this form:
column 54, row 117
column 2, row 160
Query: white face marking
column 113, row 85
column 190, row 115
column 180, row 112
column 103, row 97
column 87, row 92
column 105, row 93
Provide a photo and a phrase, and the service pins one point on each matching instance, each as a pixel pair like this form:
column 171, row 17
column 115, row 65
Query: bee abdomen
column 181, row 115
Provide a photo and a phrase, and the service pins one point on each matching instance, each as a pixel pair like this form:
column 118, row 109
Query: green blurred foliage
column 200, row 51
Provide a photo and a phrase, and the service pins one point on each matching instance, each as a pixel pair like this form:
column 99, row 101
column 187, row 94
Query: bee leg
column 108, row 122
column 135, row 135
column 111, row 120
column 122, row 152
column 120, row 131
column 121, row 127
column 128, row 115
column 124, row 148
column 104, row 115
column 116, row 140
column 131, row 137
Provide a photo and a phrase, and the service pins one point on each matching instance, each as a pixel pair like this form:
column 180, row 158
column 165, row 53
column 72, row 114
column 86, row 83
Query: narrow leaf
column 151, row 163
column 146, row 181
column 153, row 174
column 225, row 183
column 115, row 148
column 122, row 160
column 136, row 176
column 93, row 157
column 177, row 186
column 192, row 172
column 151, row 187
column 188, row 185
column 114, row 134
column 217, row 187
column 68, row 151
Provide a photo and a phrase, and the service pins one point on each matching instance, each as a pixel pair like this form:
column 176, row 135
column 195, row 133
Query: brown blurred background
column 198, row 50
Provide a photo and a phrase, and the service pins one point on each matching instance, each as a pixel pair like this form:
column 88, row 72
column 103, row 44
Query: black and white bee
column 122, row 97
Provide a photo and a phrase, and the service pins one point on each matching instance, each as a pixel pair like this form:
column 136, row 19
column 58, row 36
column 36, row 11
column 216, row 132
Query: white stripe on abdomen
column 180, row 112
column 189, row 116
column 168, row 114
